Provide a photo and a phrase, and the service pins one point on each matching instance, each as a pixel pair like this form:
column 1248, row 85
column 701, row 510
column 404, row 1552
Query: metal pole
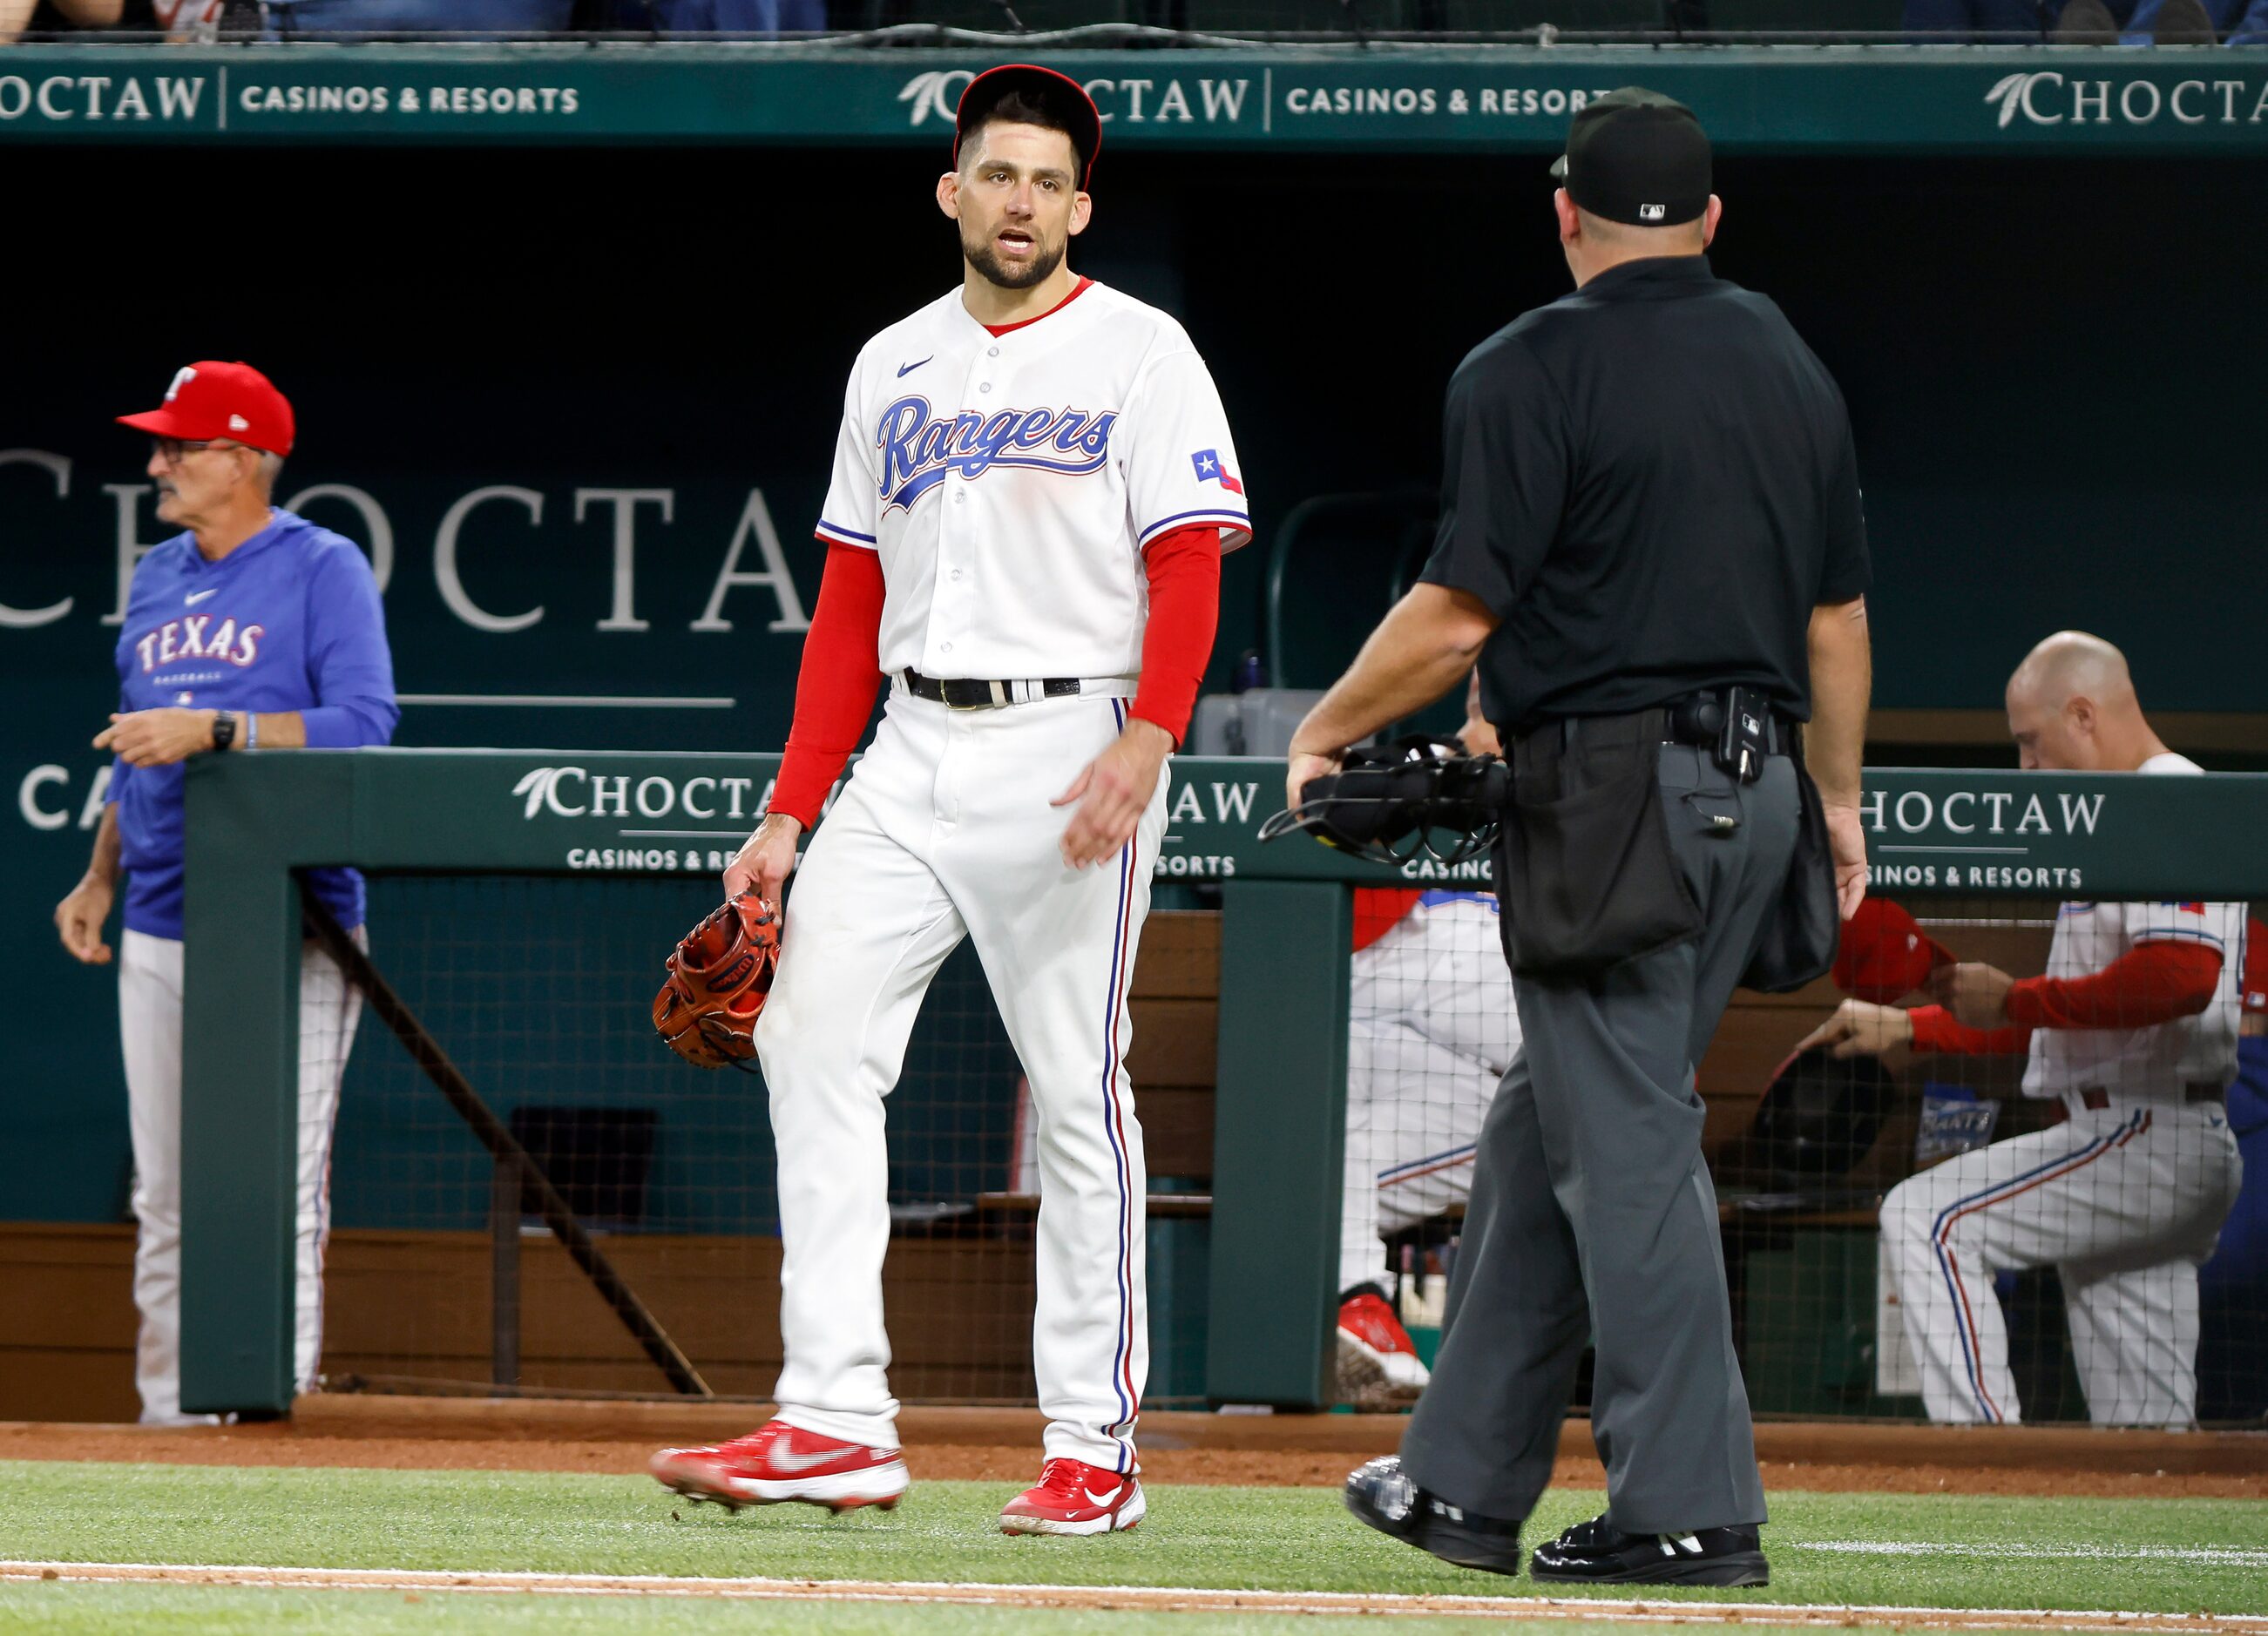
column 426, row 1052
column 504, row 1275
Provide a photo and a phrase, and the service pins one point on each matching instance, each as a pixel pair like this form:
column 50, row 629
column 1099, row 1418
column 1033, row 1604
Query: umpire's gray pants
column 1593, row 1217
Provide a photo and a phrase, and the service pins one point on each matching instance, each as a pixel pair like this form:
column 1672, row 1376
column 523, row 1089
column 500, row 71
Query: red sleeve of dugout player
column 1378, row 910
column 2153, row 983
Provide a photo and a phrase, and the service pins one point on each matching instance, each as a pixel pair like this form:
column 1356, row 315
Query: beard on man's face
column 1006, row 274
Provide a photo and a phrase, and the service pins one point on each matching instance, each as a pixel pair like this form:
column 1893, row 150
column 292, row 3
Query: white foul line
column 1156, row 1597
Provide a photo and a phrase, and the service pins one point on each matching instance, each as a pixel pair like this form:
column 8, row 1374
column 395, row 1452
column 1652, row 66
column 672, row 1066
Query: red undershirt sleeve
column 1935, row 1030
column 2151, row 983
column 835, row 685
column 1184, row 573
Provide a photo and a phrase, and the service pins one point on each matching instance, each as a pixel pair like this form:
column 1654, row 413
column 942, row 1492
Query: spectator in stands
column 2134, row 1028
column 2092, row 22
column 20, row 17
column 301, row 19
column 200, row 21
column 752, row 18
column 1431, row 1030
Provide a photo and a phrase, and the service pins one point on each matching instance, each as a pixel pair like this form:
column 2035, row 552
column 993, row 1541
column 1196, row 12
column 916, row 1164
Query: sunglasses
column 170, row 450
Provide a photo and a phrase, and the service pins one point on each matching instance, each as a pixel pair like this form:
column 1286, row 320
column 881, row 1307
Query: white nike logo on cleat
column 793, row 1463
column 1094, row 1499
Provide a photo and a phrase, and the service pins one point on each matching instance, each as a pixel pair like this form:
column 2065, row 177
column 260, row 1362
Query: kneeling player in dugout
column 2133, row 1028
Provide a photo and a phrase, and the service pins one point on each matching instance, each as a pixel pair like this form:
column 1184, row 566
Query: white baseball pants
column 2125, row 1202
column 150, row 1031
column 945, row 831
column 1432, row 1030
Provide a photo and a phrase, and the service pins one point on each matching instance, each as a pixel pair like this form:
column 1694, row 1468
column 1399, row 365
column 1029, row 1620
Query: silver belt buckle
column 999, row 692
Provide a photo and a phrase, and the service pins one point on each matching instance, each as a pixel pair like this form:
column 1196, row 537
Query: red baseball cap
column 2256, row 966
column 1885, row 954
column 1059, row 93
column 214, row 399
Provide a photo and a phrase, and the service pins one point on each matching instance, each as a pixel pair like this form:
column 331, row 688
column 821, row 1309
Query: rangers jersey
column 1010, row 480
column 2156, row 1062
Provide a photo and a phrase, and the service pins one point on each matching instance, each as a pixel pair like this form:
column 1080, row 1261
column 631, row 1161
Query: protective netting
column 1955, row 1221
column 2030, row 1215
column 442, row 1273
column 539, row 990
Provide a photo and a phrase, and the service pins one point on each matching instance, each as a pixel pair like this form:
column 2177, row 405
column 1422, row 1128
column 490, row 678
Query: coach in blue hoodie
column 253, row 631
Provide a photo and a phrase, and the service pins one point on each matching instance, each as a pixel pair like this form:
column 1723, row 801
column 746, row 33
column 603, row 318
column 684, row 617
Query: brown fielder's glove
column 719, row 978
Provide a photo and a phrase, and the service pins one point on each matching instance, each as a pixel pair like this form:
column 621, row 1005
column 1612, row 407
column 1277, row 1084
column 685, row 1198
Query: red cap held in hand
column 209, row 400
column 1885, row 954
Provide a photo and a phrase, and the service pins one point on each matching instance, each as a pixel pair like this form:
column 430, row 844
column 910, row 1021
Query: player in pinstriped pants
column 2133, row 1029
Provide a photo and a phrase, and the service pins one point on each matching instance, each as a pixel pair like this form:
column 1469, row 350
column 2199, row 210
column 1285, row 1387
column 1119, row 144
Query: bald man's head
column 2072, row 707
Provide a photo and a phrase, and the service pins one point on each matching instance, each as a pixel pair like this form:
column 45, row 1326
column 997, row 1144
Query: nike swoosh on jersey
column 195, row 596
column 905, row 370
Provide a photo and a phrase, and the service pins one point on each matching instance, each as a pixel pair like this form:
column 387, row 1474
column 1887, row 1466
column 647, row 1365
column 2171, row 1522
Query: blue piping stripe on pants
column 1971, row 1356
column 1123, row 1356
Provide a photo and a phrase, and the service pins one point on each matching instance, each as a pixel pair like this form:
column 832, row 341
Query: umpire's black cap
column 1062, row 96
column 1638, row 156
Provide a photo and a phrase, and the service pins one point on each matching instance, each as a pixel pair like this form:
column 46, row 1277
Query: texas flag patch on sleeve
column 1210, row 470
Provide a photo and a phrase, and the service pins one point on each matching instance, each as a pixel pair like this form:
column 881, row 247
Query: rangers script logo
column 918, row 452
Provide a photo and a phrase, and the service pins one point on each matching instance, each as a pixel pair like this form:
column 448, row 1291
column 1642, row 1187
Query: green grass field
column 1942, row 1550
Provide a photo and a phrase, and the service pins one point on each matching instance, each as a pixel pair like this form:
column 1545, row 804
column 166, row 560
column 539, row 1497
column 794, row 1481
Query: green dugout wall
column 1285, row 950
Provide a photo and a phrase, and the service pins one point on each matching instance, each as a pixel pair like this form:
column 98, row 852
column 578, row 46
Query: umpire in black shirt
column 1650, row 542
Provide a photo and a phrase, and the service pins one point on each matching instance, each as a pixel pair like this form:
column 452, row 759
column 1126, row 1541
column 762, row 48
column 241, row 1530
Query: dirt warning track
column 1137, row 1598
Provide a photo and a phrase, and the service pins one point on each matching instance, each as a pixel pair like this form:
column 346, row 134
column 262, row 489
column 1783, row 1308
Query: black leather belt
column 2097, row 1098
column 1698, row 718
column 969, row 693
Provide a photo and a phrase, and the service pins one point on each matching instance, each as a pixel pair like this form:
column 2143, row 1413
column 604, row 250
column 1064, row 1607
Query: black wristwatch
column 223, row 729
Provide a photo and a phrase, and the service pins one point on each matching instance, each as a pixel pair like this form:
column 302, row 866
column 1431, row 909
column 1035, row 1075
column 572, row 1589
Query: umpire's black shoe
column 1596, row 1552
column 1383, row 1497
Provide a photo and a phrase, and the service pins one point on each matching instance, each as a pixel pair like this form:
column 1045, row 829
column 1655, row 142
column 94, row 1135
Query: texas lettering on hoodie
column 288, row 620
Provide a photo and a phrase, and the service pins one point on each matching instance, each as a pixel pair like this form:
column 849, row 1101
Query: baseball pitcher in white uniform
column 2133, row 1028
column 1031, row 491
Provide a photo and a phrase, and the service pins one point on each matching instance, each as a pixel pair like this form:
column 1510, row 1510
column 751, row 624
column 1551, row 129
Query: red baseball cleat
column 780, row 1462
column 1075, row 1498
column 1378, row 1364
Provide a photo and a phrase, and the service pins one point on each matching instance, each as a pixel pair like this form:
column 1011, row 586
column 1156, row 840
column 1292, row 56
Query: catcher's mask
column 1390, row 803
column 720, row 977
column 1820, row 1115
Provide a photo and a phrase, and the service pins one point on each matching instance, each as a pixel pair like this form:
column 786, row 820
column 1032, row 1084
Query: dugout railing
column 1284, row 935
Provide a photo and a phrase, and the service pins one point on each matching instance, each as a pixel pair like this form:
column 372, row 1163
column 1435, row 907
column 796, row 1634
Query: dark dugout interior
column 2053, row 366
